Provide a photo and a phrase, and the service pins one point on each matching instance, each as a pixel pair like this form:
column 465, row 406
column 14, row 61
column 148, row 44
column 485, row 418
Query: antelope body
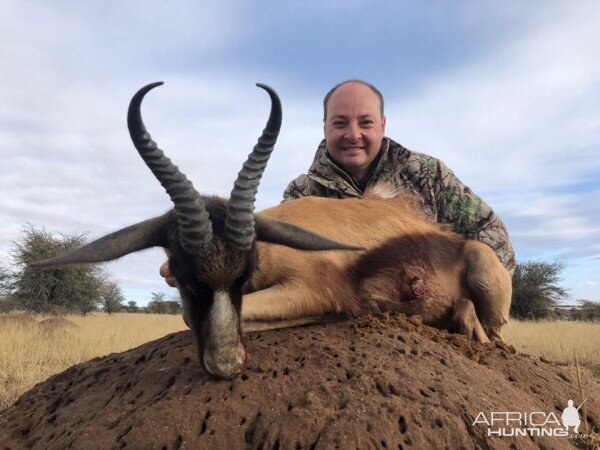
column 410, row 264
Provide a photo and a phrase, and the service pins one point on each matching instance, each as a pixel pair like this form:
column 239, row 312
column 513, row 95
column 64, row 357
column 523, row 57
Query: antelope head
column 212, row 241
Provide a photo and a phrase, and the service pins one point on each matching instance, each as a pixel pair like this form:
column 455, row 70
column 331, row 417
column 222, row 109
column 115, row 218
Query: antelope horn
column 194, row 226
column 239, row 221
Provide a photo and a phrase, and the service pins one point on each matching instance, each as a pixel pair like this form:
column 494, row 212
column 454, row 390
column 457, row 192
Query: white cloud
column 520, row 118
column 521, row 127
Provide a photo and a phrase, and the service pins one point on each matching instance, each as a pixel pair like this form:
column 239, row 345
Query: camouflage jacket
column 444, row 198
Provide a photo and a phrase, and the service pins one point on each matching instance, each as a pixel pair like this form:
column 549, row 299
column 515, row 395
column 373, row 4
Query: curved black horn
column 239, row 221
column 194, row 226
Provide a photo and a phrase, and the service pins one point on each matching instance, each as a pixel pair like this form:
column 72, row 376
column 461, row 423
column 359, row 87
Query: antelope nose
column 225, row 363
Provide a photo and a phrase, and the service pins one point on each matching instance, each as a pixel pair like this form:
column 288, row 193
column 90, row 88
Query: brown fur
column 409, row 264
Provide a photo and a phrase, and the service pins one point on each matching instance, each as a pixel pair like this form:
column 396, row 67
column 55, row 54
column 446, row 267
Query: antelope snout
column 225, row 362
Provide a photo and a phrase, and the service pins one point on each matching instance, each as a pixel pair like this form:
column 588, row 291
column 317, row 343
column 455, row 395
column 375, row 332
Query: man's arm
column 454, row 203
column 471, row 216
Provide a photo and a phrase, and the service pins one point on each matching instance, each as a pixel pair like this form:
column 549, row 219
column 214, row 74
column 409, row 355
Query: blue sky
column 505, row 93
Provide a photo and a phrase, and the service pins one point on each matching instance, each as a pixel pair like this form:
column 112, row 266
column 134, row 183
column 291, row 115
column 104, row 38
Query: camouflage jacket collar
column 330, row 175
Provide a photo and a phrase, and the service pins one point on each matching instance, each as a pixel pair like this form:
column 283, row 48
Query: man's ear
column 383, row 125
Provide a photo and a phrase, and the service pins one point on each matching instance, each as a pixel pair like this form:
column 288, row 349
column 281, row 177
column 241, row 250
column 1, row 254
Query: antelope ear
column 277, row 231
column 150, row 233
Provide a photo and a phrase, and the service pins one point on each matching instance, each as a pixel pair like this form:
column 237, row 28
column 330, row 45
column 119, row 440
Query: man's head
column 354, row 125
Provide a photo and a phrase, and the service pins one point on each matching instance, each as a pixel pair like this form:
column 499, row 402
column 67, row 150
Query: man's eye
column 367, row 122
column 338, row 124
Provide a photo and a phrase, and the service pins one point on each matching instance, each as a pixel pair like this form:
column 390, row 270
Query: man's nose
column 353, row 132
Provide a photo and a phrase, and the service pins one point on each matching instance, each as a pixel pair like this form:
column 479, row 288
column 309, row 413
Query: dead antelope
column 219, row 249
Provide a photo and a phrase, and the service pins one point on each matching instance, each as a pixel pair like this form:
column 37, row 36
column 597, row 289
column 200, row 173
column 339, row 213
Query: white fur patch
column 223, row 320
column 382, row 189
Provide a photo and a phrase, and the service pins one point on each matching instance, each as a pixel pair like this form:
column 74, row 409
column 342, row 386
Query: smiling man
column 355, row 154
column 354, row 128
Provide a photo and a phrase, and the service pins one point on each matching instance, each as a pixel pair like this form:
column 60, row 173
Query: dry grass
column 32, row 349
column 555, row 341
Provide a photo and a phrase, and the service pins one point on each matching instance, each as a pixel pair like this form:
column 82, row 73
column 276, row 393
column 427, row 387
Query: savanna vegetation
column 58, row 291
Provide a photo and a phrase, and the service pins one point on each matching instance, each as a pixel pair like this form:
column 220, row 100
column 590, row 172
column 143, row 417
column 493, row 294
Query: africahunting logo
column 537, row 423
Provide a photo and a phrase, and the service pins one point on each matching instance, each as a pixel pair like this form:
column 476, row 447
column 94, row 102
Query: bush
column 132, row 307
column 50, row 290
column 589, row 311
column 536, row 290
column 159, row 304
column 112, row 297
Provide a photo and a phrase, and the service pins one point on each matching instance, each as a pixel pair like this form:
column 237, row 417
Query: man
column 355, row 154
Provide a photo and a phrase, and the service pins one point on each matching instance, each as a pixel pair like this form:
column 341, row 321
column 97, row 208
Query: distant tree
column 156, row 304
column 132, row 306
column 7, row 301
column 159, row 304
column 155, row 307
column 112, row 297
column 564, row 313
column 536, row 290
column 51, row 290
column 588, row 311
column 158, row 296
column 172, row 307
column 5, row 285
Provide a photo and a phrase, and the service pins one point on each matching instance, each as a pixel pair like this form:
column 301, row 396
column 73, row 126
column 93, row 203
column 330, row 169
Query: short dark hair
column 363, row 82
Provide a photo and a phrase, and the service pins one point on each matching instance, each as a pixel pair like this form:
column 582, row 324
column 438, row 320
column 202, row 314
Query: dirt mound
column 58, row 324
column 384, row 382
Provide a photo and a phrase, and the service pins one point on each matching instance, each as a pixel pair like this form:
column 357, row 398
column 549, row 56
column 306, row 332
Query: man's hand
column 166, row 274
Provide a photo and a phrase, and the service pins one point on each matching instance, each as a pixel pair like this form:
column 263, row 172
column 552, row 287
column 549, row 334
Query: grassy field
column 31, row 350
column 556, row 341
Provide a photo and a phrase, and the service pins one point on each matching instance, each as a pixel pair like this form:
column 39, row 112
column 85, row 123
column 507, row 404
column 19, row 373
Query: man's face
column 354, row 128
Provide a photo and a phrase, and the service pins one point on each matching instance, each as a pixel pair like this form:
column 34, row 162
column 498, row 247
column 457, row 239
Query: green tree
column 536, row 290
column 588, row 310
column 7, row 301
column 159, row 304
column 156, row 305
column 158, row 296
column 5, row 277
column 132, row 306
column 51, row 290
column 112, row 297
